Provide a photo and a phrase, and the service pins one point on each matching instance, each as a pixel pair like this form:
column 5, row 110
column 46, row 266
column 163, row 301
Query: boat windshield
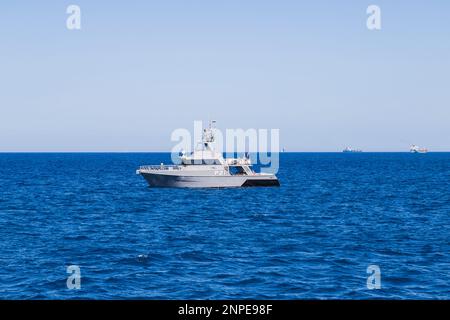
column 237, row 170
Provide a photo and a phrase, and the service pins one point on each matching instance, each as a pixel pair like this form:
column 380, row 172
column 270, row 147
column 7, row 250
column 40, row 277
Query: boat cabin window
column 210, row 161
column 237, row 170
column 202, row 161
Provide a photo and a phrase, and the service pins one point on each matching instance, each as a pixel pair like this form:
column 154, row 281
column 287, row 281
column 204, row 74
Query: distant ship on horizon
column 349, row 149
column 417, row 149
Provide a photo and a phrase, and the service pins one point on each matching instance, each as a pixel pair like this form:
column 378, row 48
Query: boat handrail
column 159, row 167
column 238, row 161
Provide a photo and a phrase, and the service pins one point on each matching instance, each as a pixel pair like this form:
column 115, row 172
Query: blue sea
column 312, row 238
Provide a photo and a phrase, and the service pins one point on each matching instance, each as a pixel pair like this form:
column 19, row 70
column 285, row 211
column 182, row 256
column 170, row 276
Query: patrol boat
column 206, row 168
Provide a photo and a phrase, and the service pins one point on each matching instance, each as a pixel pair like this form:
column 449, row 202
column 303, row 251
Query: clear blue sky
column 139, row 69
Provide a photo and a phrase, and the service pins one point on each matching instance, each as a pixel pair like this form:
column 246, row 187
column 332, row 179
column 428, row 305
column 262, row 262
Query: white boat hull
column 225, row 181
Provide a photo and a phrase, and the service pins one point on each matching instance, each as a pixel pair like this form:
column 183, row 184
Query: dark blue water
column 314, row 237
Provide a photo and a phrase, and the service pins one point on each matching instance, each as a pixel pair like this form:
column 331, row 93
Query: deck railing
column 160, row 167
